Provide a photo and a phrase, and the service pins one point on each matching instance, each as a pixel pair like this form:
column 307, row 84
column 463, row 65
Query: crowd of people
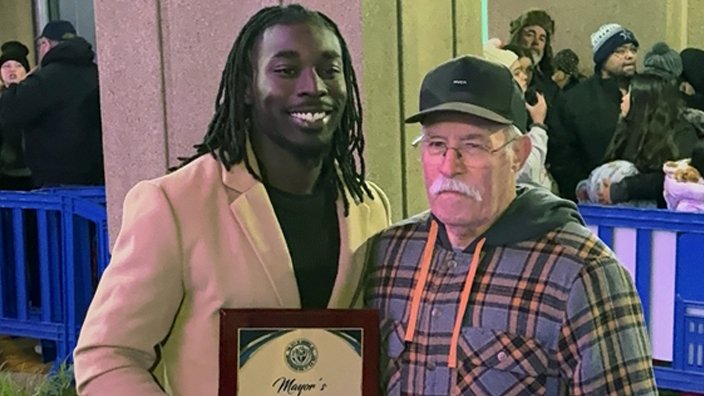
column 607, row 138
column 50, row 129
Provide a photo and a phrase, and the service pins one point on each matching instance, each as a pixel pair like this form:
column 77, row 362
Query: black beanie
column 693, row 68
column 16, row 51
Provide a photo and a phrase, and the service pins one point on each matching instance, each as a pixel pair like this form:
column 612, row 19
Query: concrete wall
column 17, row 23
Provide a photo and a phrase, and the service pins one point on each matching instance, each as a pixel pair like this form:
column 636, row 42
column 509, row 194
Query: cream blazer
column 191, row 243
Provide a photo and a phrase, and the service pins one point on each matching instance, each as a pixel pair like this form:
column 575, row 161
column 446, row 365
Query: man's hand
column 539, row 111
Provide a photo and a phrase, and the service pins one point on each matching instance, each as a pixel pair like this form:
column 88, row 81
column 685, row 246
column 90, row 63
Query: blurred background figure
column 14, row 173
column 566, row 72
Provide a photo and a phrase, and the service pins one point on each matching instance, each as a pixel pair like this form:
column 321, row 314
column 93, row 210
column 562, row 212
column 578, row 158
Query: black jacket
column 58, row 107
column 587, row 118
column 648, row 185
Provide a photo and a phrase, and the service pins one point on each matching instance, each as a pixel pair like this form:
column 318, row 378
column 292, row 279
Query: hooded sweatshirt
column 522, row 310
column 58, row 107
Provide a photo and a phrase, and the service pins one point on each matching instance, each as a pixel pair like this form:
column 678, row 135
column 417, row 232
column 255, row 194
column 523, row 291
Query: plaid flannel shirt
column 549, row 316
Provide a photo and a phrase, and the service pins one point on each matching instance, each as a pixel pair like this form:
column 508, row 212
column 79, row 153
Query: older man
column 498, row 289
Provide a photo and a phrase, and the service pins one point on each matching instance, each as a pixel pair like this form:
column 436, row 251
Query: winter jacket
column 58, row 107
column 543, row 292
column 648, row 184
column 12, row 162
column 586, row 122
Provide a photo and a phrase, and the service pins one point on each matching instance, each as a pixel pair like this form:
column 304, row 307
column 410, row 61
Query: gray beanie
column 663, row 61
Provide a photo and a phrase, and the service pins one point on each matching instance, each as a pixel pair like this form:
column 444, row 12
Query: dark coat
column 58, row 107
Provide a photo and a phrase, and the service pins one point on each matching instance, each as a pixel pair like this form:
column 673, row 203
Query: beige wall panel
column 427, row 40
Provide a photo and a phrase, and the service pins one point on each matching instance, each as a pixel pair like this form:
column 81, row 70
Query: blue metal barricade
column 53, row 247
column 662, row 250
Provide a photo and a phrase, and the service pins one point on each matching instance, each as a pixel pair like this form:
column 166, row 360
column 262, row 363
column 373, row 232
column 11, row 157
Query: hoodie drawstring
column 464, row 300
column 426, row 260
column 422, row 279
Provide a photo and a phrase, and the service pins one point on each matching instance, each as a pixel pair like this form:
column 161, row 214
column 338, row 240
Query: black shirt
column 310, row 227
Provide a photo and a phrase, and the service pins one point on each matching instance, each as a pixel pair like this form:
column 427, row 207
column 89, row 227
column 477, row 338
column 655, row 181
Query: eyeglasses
column 472, row 154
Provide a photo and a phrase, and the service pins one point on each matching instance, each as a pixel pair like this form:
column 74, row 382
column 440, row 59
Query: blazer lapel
column 353, row 232
column 255, row 214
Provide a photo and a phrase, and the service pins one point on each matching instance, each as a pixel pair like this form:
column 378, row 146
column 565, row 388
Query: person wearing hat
column 533, row 170
column 14, row 173
column 535, row 30
column 14, row 65
column 588, row 114
column 566, row 74
column 497, row 289
column 662, row 61
column 692, row 83
column 58, row 108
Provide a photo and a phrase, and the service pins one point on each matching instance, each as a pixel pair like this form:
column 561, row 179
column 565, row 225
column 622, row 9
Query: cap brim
column 459, row 107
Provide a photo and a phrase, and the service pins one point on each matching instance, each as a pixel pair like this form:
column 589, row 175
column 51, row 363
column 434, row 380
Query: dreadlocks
column 228, row 130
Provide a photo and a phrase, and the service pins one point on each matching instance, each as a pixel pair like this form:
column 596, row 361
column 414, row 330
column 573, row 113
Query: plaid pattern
column 552, row 316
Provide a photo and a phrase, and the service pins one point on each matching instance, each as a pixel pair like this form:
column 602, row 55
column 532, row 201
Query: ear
column 521, row 150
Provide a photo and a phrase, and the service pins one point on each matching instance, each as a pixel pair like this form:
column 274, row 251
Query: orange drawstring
column 426, row 260
column 422, row 278
column 464, row 300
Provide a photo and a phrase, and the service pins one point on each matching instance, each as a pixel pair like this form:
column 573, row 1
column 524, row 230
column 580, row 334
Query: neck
column 461, row 237
column 283, row 169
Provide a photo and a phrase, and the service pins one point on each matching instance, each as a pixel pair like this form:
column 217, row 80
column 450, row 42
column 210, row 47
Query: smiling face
column 298, row 90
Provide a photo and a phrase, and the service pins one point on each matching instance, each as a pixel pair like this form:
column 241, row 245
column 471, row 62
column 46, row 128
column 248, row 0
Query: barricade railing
column 663, row 251
column 53, row 248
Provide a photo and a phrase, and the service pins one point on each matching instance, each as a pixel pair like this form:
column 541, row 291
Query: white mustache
column 444, row 184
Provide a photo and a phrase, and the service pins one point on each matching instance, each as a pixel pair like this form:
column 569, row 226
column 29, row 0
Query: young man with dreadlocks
column 267, row 214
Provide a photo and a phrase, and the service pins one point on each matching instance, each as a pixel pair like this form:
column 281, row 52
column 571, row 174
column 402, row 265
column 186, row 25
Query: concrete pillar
column 676, row 24
column 695, row 27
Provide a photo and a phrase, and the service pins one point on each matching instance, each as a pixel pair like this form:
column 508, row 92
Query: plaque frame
column 232, row 320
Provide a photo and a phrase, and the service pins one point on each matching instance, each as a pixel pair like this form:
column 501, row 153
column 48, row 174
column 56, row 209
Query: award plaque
column 270, row 352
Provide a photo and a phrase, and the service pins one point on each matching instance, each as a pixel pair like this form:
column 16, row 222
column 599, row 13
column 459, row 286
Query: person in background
column 652, row 131
column 566, row 74
column 58, row 109
column 589, row 113
column 692, row 81
column 665, row 62
column 535, row 30
column 662, row 61
column 14, row 173
column 521, row 66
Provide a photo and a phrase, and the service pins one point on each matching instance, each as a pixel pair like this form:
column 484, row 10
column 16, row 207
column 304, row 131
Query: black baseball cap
column 476, row 86
column 58, row 31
